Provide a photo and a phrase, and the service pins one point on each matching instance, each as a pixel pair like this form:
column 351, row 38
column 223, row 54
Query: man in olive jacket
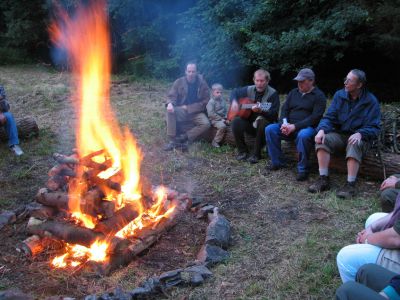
column 186, row 102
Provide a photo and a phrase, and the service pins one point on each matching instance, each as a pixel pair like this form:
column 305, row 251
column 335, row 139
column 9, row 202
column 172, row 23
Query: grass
column 285, row 240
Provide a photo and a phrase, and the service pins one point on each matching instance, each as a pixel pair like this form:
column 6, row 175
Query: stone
column 149, row 287
column 14, row 294
column 211, row 254
column 218, row 231
column 7, row 217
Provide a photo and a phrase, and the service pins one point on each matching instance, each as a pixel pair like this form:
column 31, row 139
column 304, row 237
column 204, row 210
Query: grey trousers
column 370, row 280
column 388, row 198
column 221, row 130
column 336, row 143
column 200, row 121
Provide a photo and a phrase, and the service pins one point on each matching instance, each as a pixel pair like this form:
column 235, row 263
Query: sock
column 323, row 172
column 351, row 178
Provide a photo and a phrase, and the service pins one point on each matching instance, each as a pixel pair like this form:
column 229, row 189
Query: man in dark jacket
column 186, row 102
column 255, row 124
column 351, row 123
column 372, row 282
column 7, row 120
column 300, row 114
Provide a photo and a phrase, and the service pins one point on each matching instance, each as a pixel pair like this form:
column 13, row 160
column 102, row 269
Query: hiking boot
column 302, row 176
column 253, row 159
column 347, row 191
column 322, row 184
column 17, row 150
column 170, row 146
column 215, row 144
column 241, row 156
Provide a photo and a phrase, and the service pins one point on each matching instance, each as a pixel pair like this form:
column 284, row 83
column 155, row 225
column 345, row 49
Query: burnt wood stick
column 56, row 182
column 106, row 182
column 42, row 212
column 35, row 245
column 54, row 199
column 107, row 208
column 91, row 155
column 66, row 232
column 145, row 239
column 64, row 159
column 120, row 219
column 90, row 202
column 62, row 170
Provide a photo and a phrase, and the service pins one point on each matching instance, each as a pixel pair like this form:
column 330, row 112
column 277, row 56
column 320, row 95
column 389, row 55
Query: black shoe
column 241, row 156
column 253, row 159
column 170, row 146
column 302, row 176
column 322, row 184
column 347, row 191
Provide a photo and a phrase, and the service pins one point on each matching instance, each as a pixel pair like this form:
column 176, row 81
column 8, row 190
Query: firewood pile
column 390, row 134
column 52, row 224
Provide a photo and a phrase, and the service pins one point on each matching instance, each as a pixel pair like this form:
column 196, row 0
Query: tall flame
column 86, row 39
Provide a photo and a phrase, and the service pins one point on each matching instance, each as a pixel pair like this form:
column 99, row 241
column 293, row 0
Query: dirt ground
column 285, row 240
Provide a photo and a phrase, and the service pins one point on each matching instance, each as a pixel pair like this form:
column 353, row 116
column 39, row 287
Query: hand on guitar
column 256, row 107
column 234, row 106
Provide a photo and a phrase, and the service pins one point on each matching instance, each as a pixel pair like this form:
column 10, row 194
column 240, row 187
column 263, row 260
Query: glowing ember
column 86, row 39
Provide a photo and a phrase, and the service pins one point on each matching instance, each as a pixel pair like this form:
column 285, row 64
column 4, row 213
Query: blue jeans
column 352, row 257
column 11, row 129
column 304, row 140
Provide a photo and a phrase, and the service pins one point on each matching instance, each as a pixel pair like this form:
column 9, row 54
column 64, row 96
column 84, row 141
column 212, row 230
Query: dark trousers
column 241, row 126
column 371, row 279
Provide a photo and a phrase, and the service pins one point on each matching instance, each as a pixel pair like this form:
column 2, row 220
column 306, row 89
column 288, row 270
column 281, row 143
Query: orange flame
column 86, row 39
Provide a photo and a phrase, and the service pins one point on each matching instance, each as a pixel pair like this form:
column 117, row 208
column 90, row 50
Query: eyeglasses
column 348, row 80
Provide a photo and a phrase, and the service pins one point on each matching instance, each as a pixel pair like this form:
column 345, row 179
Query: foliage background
column 230, row 39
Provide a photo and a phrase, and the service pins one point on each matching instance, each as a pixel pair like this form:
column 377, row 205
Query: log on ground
column 27, row 127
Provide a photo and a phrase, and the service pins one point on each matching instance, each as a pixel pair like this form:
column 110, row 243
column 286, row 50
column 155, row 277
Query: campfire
column 96, row 206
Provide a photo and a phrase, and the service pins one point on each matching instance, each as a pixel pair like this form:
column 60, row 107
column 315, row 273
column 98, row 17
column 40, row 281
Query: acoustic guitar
column 245, row 108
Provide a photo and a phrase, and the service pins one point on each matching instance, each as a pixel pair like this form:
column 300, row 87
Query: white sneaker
column 17, row 150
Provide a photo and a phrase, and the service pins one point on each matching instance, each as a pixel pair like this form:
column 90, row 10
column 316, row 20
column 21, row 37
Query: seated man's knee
column 272, row 128
column 388, row 199
column 365, row 270
column 346, row 289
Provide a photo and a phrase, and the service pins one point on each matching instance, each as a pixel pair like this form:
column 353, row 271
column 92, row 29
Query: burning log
column 107, row 208
column 66, row 232
column 55, row 199
column 35, row 245
column 144, row 239
column 91, row 202
column 62, row 170
column 106, row 182
column 119, row 220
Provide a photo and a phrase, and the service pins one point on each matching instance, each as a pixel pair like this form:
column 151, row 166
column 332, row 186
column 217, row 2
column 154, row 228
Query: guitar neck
column 247, row 105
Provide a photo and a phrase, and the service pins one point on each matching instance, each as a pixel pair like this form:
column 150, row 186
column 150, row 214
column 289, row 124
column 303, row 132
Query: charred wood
column 54, row 199
column 66, row 232
column 119, row 220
